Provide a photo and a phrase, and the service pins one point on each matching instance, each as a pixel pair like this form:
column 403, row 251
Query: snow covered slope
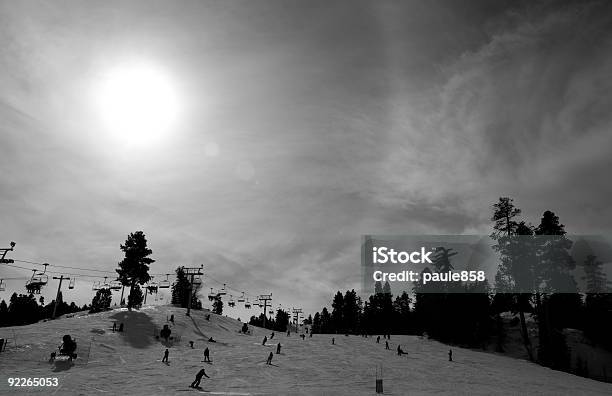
column 129, row 363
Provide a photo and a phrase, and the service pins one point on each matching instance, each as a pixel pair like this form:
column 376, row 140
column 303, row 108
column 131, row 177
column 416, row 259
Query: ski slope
column 129, row 363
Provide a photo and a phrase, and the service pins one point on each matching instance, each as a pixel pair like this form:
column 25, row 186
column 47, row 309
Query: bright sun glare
column 137, row 103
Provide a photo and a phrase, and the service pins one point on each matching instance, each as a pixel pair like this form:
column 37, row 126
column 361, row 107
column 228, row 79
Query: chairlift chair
column 222, row 292
column 241, row 298
column 2, row 285
column 247, row 304
column 152, row 287
column 115, row 285
column 197, row 281
column 37, row 281
column 231, row 301
column 71, row 284
column 96, row 285
column 211, row 295
column 105, row 285
column 165, row 284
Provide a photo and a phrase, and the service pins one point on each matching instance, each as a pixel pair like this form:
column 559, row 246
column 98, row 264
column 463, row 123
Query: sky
column 298, row 127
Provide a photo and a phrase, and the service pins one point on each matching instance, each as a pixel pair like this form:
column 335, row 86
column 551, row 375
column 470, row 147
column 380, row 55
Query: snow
column 130, row 362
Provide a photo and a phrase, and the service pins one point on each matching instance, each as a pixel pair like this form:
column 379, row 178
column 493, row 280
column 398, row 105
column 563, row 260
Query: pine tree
column 101, row 301
column 595, row 276
column 316, row 323
column 134, row 268
column 505, row 229
column 136, row 297
column 325, row 322
column 336, row 315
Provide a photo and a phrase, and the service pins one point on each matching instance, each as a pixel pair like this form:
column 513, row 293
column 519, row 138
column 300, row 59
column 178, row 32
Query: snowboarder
column 265, row 340
column 165, row 358
column 165, row 333
column 400, row 352
column 450, row 355
column 206, row 355
column 378, row 340
column 270, row 356
column 386, row 344
column 272, row 335
column 278, row 348
column 198, row 378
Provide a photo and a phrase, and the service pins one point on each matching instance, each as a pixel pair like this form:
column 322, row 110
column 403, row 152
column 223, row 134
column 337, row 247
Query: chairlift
column 115, row 285
column 212, row 295
column 241, row 298
column 247, row 304
column 197, row 281
column 96, row 285
column 71, row 284
column 105, row 285
column 165, row 284
column 37, row 281
column 152, row 287
column 271, row 312
column 2, row 285
column 231, row 301
column 222, row 292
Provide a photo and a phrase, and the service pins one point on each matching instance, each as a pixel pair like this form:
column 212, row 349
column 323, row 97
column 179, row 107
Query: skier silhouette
column 121, row 328
column 272, row 335
column 270, row 356
column 450, row 355
column 333, row 341
column 265, row 340
column 166, row 353
column 206, row 355
column 386, row 344
column 199, row 375
column 172, row 318
column 400, row 352
column 378, row 340
column 278, row 348
column 114, row 326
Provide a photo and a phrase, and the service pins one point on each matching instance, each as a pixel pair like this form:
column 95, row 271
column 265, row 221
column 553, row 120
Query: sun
column 137, row 102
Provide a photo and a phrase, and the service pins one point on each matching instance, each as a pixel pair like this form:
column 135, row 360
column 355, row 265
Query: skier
column 278, row 348
column 121, row 328
column 400, row 352
column 270, row 356
column 191, row 344
column 386, row 344
column 272, row 335
column 196, row 383
column 165, row 333
column 68, row 347
column 450, row 355
column 333, row 341
column 288, row 333
column 114, row 326
column 303, row 336
column 265, row 340
column 378, row 340
column 172, row 318
column 310, row 334
column 166, row 353
column 206, row 355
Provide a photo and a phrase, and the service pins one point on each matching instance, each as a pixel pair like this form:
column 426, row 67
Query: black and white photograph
column 305, row 197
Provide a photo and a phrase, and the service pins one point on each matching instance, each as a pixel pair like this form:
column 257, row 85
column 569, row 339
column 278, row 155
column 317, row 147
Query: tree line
column 472, row 316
